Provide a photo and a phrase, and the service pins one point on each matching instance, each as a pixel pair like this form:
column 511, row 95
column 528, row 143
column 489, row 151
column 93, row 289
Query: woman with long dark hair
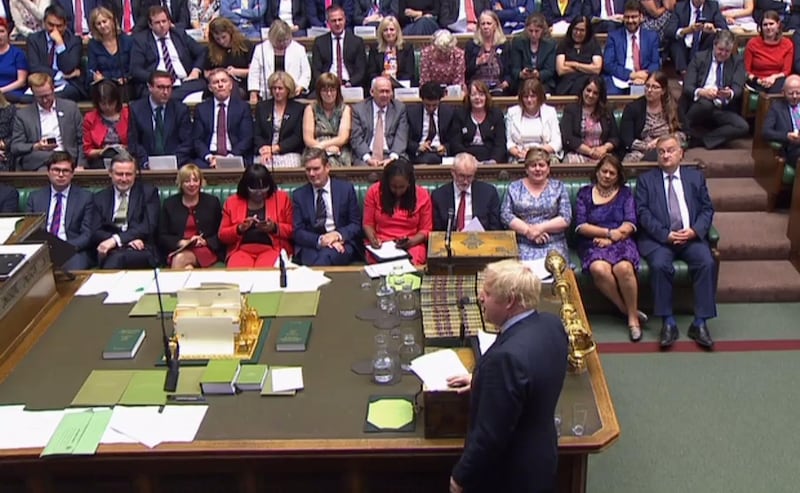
column 105, row 128
column 588, row 129
column 229, row 49
column 578, row 56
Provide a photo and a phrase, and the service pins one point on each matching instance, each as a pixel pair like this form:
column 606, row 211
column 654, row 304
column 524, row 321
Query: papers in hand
column 434, row 368
column 537, row 266
column 387, row 251
column 385, row 268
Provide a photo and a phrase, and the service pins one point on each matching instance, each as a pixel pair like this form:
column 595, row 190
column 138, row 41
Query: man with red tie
column 339, row 52
column 467, row 198
column 631, row 54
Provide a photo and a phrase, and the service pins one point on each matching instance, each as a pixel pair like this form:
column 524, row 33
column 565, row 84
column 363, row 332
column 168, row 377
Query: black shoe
column 701, row 336
column 669, row 334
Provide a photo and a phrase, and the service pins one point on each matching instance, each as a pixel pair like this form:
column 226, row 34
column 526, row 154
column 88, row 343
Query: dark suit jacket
column 143, row 212
column 572, row 135
column 493, row 131
column 240, row 128
column 9, row 198
column 145, row 53
column 553, row 14
column 520, row 58
column 471, row 52
column 415, row 112
column 179, row 12
column 733, row 75
column 9, row 17
column 652, row 212
column 111, row 66
column 346, row 215
column 67, row 61
column 361, row 9
column 632, row 123
column 778, row 123
column 449, row 10
column 406, row 68
column 591, row 8
column 353, row 52
column 291, row 134
column 683, row 13
column 172, row 224
column 299, row 15
column 80, row 220
column 796, row 43
column 177, row 129
column 616, row 49
column 88, row 6
column 511, row 443
column 485, row 205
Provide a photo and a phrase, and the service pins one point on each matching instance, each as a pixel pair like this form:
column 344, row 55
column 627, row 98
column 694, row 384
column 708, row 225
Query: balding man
column 380, row 129
column 782, row 123
column 466, row 197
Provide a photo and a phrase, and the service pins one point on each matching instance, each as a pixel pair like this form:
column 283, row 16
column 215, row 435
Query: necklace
column 606, row 193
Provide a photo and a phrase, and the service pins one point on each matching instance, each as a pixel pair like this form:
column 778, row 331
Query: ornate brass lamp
column 580, row 337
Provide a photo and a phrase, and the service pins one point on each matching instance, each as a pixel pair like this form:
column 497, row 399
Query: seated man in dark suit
column 371, row 146
column 57, row 52
column 159, row 125
column 339, row 52
column 511, row 443
column 691, row 29
column 69, row 209
column 603, row 19
column 675, row 213
column 782, row 123
column 9, row 199
column 631, row 54
column 163, row 47
column 712, row 94
column 128, row 213
column 327, row 215
column 467, row 198
column 428, row 126
column 215, row 136
column 78, row 13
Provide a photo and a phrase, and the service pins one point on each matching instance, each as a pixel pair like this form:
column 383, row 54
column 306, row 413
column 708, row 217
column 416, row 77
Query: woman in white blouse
column 278, row 53
column 531, row 124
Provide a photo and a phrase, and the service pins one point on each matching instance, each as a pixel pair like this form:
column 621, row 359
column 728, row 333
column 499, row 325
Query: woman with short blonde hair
column 391, row 58
column 279, row 53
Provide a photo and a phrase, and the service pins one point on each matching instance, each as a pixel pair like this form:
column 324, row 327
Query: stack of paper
column 78, row 433
column 130, row 287
column 8, row 225
column 434, row 368
column 301, row 279
column 99, row 283
column 26, row 429
column 283, row 380
column 387, row 251
column 151, row 426
column 386, row 268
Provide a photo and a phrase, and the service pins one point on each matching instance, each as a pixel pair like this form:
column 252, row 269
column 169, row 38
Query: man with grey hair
column 466, row 197
column 712, row 94
column 511, row 442
column 380, row 130
column 782, row 123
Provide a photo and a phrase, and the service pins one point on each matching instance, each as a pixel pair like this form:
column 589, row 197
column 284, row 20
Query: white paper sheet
column 28, row 429
column 434, row 368
column 27, row 250
column 474, row 225
column 387, row 251
column 169, row 282
column 485, row 340
column 284, row 379
column 135, row 423
column 537, row 266
column 98, row 283
column 130, row 287
column 385, row 268
column 7, row 227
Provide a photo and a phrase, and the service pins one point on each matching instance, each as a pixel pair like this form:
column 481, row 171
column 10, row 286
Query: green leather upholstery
column 789, row 172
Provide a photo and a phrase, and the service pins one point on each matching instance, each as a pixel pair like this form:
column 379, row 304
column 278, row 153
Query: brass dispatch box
column 471, row 250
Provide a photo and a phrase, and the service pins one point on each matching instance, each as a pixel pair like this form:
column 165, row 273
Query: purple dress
column 609, row 215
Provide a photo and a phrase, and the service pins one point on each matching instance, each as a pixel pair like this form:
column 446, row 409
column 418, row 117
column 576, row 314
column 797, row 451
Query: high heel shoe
column 635, row 333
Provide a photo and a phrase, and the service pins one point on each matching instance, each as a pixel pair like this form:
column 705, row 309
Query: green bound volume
column 124, row 344
column 293, row 336
column 220, row 376
column 251, row 377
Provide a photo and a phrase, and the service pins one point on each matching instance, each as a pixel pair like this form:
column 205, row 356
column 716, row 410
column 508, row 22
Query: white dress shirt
column 326, row 196
column 334, row 60
column 180, row 70
column 62, row 225
column 48, row 123
column 624, row 84
column 677, row 184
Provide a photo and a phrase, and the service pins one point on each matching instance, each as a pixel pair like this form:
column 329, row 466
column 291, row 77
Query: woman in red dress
column 256, row 221
column 189, row 223
column 397, row 209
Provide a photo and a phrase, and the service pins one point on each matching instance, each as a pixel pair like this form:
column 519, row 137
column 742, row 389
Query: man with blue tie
column 782, row 123
column 69, row 209
column 692, row 28
column 327, row 215
column 631, row 54
column 675, row 213
column 57, row 52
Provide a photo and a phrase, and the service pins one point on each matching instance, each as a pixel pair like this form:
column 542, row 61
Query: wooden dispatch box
column 471, row 250
column 446, row 411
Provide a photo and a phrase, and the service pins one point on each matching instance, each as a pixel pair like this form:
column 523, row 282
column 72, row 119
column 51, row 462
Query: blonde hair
column 286, row 79
column 389, row 19
column 279, row 30
column 39, row 79
column 499, row 37
column 186, row 172
column 444, row 40
column 97, row 14
column 535, row 155
column 510, row 280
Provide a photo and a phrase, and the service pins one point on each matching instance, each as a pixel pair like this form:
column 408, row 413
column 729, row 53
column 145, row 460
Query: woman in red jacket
column 105, row 128
column 256, row 221
column 768, row 58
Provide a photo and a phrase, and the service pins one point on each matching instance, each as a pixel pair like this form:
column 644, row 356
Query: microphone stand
column 448, row 241
column 171, row 358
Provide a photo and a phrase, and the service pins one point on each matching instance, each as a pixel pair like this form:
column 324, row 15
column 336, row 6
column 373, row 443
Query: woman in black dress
column 578, row 56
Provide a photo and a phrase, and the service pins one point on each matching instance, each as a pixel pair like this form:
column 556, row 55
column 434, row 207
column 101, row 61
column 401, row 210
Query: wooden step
column 758, row 281
column 734, row 161
column 752, row 235
column 736, row 194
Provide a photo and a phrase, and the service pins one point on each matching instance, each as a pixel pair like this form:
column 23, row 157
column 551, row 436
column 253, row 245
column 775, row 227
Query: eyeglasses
column 61, row 171
column 652, row 87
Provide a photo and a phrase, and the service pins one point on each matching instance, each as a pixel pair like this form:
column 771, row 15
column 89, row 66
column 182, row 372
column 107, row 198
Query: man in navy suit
column 631, row 54
column 159, row 125
column 675, row 213
column 323, row 53
column 467, row 198
column 782, row 123
column 128, row 213
column 692, row 28
column 327, row 215
column 163, row 47
column 214, row 135
column 57, row 52
column 9, row 199
column 511, row 443
column 605, row 20
column 428, row 126
column 69, row 209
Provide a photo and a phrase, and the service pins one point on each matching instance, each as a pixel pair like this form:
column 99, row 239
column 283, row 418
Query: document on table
column 244, row 279
column 168, row 282
column 27, row 429
column 474, row 226
column 99, row 283
column 298, row 280
column 387, row 251
column 434, row 368
column 8, row 225
column 78, row 433
column 386, row 268
column 289, row 378
column 538, row 268
column 150, row 427
column 130, row 287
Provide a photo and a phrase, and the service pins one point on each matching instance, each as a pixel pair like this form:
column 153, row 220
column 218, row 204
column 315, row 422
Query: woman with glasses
column 588, row 128
column 578, row 56
column 279, row 53
column 189, row 224
column 256, row 221
column 230, row 50
column 647, row 118
column 279, row 124
column 105, row 128
column 327, row 121
column 442, row 61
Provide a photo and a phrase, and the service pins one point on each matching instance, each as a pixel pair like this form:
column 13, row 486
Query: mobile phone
column 51, row 140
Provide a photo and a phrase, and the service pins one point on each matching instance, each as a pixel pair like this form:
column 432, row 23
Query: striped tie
column 121, row 216
column 58, row 210
column 167, row 59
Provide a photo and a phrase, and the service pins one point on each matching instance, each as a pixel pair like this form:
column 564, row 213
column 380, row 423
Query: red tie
column 339, row 58
column 126, row 16
column 470, row 7
column 462, row 206
column 222, row 131
column 635, row 49
column 78, row 17
column 609, row 8
column 328, row 4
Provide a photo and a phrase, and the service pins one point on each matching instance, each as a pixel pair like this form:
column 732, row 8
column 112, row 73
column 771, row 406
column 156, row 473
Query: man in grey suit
column 69, row 209
column 52, row 124
column 371, row 146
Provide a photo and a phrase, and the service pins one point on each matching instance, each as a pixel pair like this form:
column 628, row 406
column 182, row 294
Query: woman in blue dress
column 537, row 208
column 13, row 67
column 606, row 218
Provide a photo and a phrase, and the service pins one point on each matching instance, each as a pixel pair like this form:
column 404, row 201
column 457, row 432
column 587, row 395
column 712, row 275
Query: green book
column 251, row 377
column 293, row 336
column 124, row 343
column 298, row 304
column 78, row 433
column 220, row 376
column 146, row 388
column 103, row 388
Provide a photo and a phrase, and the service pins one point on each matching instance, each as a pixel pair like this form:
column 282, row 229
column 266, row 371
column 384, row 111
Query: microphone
column 462, row 316
column 172, row 360
column 448, row 236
